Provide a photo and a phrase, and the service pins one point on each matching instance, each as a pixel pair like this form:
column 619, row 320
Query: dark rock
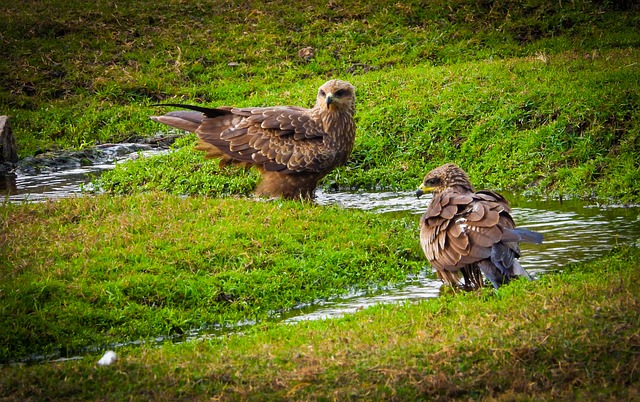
column 6, row 168
column 103, row 153
column 8, row 148
column 8, row 183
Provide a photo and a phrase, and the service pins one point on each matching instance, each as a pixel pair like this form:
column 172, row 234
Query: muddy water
column 574, row 231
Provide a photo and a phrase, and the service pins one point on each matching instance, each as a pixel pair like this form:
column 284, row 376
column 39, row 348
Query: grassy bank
column 547, row 92
column 102, row 270
column 564, row 337
column 558, row 125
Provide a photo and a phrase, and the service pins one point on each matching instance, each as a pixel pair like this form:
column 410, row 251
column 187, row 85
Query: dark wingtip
column 207, row 111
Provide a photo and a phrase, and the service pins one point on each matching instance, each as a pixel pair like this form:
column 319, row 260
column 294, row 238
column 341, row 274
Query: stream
column 574, row 231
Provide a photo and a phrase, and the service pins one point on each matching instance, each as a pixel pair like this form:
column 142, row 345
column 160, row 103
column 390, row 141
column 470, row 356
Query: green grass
column 518, row 126
column 570, row 336
column 181, row 172
column 101, row 270
column 527, row 96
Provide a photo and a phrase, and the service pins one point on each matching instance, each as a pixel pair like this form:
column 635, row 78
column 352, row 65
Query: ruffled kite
column 292, row 147
column 465, row 233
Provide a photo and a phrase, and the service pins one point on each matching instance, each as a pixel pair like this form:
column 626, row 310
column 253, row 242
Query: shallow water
column 574, row 231
column 66, row 181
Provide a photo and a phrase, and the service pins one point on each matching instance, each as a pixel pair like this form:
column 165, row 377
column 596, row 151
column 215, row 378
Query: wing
column 443, row 241
column 432, row 235
column 502, row 264
column 285, row 139
column 460, row 229
column 282, row 139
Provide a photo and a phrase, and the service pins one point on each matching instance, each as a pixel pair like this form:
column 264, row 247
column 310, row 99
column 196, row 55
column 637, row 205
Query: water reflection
column 50, row 185
column 416, row 287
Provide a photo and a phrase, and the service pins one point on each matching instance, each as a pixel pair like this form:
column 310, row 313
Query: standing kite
column 292, row 147
column 465, row 233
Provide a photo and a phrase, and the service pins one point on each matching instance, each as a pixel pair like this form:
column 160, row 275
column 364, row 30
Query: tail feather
column 492, row 273
column 190, row 119
column 503, row 256
column 498, row 276
column 472, row 277
column 521, row 235
column 183, row 120
column 207, row 111
column 518, row 270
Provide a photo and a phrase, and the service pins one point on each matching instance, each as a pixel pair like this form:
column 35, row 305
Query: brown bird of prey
column 292, row 147
column 465, row 233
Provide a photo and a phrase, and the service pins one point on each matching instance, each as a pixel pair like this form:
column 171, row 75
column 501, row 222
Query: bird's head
column 336, row 95
column 443, row 177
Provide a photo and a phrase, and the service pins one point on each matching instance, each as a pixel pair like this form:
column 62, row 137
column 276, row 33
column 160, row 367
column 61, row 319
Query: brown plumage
column 292, row 147
column 465, row 233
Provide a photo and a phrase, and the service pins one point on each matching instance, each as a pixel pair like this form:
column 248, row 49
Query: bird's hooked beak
column 329, row 99
column 423, row 189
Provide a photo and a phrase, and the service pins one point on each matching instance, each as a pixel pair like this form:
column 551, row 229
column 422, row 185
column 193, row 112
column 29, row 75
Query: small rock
column 8, row 184
column 109, row 357
column 307, row 53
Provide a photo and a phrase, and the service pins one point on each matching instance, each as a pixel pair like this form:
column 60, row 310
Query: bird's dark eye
column 339, row 92
column 322, row 93
column 432, row 182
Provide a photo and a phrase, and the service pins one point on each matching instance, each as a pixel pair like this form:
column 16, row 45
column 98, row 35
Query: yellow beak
column 423, row 189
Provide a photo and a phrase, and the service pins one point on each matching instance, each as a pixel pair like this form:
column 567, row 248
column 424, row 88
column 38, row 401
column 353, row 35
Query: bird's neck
column 458, row 189
column 334, row 120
